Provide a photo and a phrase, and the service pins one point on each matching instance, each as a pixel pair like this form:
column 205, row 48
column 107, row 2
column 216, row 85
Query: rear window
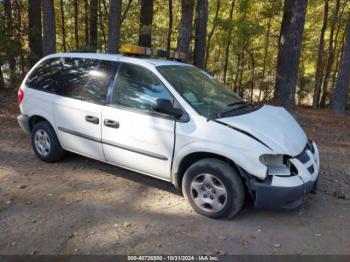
column 78, row 78
column 45, row 75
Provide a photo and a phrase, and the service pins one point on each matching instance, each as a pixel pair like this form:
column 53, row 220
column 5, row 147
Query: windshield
column 204, row 93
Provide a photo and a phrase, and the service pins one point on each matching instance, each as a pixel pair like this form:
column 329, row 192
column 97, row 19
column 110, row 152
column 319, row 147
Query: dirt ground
column 81, row 206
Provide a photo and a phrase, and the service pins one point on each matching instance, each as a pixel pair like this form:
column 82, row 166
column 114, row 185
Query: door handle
column 92, row 119
column 111, row 123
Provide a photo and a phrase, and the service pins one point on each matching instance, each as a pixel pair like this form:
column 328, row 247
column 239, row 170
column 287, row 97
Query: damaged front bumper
column 279, row 191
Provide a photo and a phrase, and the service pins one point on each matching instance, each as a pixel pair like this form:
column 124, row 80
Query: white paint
column 273, row 126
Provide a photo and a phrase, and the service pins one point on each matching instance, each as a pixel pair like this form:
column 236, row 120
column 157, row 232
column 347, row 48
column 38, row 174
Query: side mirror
column 165, row 106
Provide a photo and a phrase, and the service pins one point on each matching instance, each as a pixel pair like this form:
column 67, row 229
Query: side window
column 138, row 88
column 86, row 79
column 45, row 75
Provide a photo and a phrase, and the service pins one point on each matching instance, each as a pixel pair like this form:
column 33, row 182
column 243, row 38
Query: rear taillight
column 20, row 96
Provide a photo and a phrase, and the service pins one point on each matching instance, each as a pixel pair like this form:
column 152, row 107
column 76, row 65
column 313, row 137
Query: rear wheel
column 45, row 143
column 213, row 188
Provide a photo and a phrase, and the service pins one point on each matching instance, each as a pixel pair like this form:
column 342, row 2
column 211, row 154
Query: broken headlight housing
column 279, row 165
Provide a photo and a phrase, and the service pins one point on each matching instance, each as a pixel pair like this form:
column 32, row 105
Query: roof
column 115, row 57
column 160, row 62
column 87, row 55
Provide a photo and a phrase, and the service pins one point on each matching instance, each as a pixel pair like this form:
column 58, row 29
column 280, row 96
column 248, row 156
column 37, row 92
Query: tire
column 220, row 177
column 45, row 143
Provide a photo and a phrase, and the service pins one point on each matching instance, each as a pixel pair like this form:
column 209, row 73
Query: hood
column 273, row 126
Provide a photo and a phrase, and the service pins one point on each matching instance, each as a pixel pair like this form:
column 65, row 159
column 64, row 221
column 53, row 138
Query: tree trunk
column 93, row 25
column 211, row 33
column 2, row 81
column 340, row 96
column 325, row 94
column 290, row 40
column 63, row 27
column 86, row 23
column 228, row 43
column 19, row 39
column 49, row 28
column 125, row 11
column 200, row 34
column 146, row 18
column 338, row 59
column 234, row 87
column 266, row 50
column 10, row 53
column 114, row 26
column 338, row 50
column 240, row 87
column 170, row 26
column 76, row 29
column 35, row 32
column 252, row 76
column 319, row 66
column 102, row 27
column 185, row 32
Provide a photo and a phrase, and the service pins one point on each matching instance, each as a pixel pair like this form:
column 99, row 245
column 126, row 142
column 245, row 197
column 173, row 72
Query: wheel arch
column 36, row 118
column 193, row 157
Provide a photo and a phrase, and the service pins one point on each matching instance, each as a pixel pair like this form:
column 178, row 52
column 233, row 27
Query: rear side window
column 138, row 88
column 45, row 75
column 78, row 78
column 86, row 79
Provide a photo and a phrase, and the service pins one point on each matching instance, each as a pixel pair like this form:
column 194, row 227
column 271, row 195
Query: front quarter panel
column 201, row 135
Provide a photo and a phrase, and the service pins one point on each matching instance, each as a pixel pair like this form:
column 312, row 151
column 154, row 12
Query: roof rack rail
column 147, row 51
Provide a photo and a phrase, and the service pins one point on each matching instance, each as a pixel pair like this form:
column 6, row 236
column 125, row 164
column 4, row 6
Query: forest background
column 292, row 52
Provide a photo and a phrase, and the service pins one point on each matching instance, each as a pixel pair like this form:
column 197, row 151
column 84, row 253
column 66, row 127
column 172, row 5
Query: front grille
column 303, row 157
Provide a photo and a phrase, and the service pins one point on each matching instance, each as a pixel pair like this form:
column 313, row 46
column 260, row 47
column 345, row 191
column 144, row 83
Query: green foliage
column 254, row 28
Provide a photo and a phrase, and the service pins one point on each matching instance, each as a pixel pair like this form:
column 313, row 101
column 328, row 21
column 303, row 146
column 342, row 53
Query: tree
column 170, row 25
column 266, row 49
column 146, row 18
column 93, row 25
column 2, row 82
column 114, row 26
column 126, row 11
column 200, row 34
column 63, row 27
column 49, row 28
column 341, row 91
column 10, row 45
column 319, row 66
column 331, row 53
column 101, row 5
column 86, row 23
column 211, row 33
column 228, row 43
column 19, row 38
column 290, row 40
column 35, row 31
column 76, row 30
column 184, row 38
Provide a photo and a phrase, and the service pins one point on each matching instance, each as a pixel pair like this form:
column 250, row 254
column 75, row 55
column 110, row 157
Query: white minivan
column 172, row 121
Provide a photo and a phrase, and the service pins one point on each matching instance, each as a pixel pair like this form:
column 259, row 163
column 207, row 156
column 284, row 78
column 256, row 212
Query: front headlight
column 278, row 165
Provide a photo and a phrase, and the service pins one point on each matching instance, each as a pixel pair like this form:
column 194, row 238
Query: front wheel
column 213, row 188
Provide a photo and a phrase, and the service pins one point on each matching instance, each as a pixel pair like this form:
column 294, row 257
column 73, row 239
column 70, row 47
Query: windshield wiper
column 242, row 103
column 217, row 115
column 237, row 103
